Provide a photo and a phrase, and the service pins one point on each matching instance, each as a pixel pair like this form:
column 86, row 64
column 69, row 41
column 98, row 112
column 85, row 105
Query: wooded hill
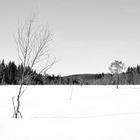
column 10, row 74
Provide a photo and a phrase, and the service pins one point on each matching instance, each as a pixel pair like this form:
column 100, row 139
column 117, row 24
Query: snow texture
column 71, row 113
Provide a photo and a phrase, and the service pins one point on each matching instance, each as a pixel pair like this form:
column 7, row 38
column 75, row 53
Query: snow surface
column 71, row 113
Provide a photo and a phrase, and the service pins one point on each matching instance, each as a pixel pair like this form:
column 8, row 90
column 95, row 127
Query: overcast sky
column 87, row 34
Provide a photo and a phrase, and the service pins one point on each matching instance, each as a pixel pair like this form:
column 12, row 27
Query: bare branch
column 14, row 107
column 33, row 44
column 23, row 91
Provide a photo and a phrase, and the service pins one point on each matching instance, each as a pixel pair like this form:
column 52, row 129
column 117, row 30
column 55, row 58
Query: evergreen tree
column 2, row 71
column 12, row 73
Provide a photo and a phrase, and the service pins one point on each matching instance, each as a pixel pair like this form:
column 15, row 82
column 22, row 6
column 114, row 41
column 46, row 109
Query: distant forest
column 10, row 74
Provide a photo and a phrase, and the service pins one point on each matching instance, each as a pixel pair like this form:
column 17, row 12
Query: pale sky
column 87, row 34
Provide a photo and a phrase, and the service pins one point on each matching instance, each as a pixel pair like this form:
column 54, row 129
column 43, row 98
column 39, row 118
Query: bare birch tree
column 33, row 51
column 116, row 68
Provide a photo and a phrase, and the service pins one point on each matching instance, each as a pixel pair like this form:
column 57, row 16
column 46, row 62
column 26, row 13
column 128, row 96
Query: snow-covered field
column 72, row 113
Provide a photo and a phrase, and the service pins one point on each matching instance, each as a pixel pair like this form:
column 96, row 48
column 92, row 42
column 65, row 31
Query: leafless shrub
column 33, row 51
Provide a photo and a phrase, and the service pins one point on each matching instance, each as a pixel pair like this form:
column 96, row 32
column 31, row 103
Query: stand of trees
column 10, row 74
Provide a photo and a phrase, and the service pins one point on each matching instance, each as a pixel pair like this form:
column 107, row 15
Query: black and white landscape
column 70, row 70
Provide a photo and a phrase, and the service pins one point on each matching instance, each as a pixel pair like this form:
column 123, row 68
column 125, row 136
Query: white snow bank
column 72, row 113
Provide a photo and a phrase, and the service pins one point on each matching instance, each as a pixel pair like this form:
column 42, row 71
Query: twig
column 71, row 94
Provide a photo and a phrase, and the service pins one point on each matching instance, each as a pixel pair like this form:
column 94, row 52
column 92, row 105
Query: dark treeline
column 10, row 74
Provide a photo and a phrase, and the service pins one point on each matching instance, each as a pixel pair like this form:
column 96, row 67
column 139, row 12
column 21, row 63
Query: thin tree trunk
column 117, row 82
